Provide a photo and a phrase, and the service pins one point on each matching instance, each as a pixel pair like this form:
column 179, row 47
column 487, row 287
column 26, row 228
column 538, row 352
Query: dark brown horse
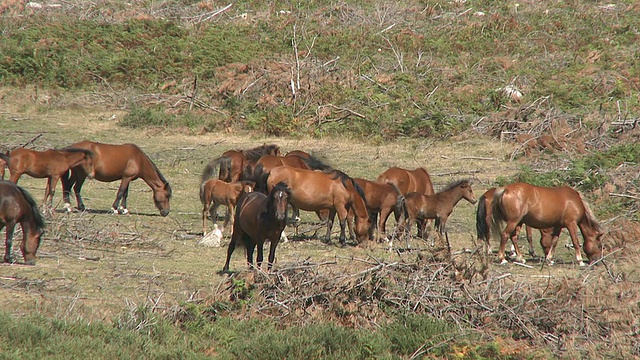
column 381, row 202
column 124, row 162
column 484, row 216
column 318, row 191
column 50, row 164
column 541, row 208
column 259, row 218
column 233, row 162
column 214, row 193
column 18, row 207
column 419, row 207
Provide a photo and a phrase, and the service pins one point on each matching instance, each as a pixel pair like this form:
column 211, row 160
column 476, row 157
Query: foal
column 214, row 193
column 419, row 207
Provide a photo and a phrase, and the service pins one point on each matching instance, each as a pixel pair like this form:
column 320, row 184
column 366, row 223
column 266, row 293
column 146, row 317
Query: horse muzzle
column 164, row 212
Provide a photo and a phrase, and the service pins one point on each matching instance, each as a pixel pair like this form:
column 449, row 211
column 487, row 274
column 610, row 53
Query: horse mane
column 591, row 218
column 89, row 153
column 281, row 186
column 337, row 174
column 256, row 153
column 37, row 216
column 456, row 183
column 314, row 163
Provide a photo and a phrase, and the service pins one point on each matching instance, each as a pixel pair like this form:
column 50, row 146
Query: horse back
column 310, row 190
column 541, row 207
column 113, row 162
column 249, row 210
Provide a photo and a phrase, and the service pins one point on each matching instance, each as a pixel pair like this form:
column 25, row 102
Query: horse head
column 279, row 199
column 161, row 197
column 467, row 191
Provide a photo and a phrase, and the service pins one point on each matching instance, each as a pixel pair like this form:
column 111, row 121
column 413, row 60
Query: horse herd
column 258, row 186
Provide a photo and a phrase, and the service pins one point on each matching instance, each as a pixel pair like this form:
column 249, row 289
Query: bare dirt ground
column 95, row 265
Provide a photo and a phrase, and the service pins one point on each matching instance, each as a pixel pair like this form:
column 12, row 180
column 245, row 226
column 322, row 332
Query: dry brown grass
column 95, row 265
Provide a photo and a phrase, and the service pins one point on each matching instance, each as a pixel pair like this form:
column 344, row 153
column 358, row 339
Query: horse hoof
column 521, row 260
column 67, row 207
column 115, row 211
column 503, row 261
column 582, row 264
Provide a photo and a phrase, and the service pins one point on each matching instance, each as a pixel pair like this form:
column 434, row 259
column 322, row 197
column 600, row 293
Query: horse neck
column 150, row 174
column 451, row 197
column 358, row 203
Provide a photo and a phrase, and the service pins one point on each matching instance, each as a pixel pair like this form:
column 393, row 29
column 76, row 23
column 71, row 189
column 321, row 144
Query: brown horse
column 543, row 207
column 416, row 180
column 233, row 162
column 317, row 191
column 484, row 216
column 124, row 162
column 381, row 202
column 50, row 164
column 214, row 193
column 419, row 207
column 261, row 169
column 259, row 218
column 18, row 207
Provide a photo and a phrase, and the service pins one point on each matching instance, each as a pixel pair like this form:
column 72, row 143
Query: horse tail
column 37, row 216
column 401, row 208
column 590, row 217
column 481, row 216
column 498, row 217
column 260, row 177
column 315, row 164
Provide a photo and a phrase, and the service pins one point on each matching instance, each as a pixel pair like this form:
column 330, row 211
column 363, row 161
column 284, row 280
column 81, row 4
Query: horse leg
column 76, row 189
column 9, row 241
column 120, row 195
column 227, row 216
column 250, row 249
column 506, row 234
column 272, row 254
column 529, row 232
column 514, row 241
column 232, row 246
column 342, row 217
column 330, row 218
column 549, row 246
column 260, row 256
column 573, row 233
column 52, row 183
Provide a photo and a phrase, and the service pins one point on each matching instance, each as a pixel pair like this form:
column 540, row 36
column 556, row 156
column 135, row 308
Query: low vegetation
column 559, row 81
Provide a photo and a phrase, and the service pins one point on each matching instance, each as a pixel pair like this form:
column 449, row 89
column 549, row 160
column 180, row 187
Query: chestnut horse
column 416, row 180
column 261, row 169
column 419, row 207
column 3, row 166
column 381, row 202
column 124, row 162
column 259, row 218
column 50, row 164
column 543, row 207
column 18, row 207
column 484, row 216
column 317, row 191
column 215, row 192
column 233, row 162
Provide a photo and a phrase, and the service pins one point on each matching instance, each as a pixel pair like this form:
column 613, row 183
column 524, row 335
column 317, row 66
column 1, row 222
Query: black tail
column 481, row 215
column 401, row 208
column 497, row 217
column 260, row 177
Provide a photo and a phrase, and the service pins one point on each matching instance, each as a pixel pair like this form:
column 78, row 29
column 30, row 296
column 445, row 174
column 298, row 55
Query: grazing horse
column 484, row 216
column 18, row 207
column 233, row 162
column 317, row 191
column 215, row 192
column 50, row 164
column 541, row 208
column 381, row 202
column 419, row 207
column 259, row 218
column 124, row 162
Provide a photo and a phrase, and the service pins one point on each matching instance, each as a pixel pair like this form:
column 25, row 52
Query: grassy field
column 538, row 92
